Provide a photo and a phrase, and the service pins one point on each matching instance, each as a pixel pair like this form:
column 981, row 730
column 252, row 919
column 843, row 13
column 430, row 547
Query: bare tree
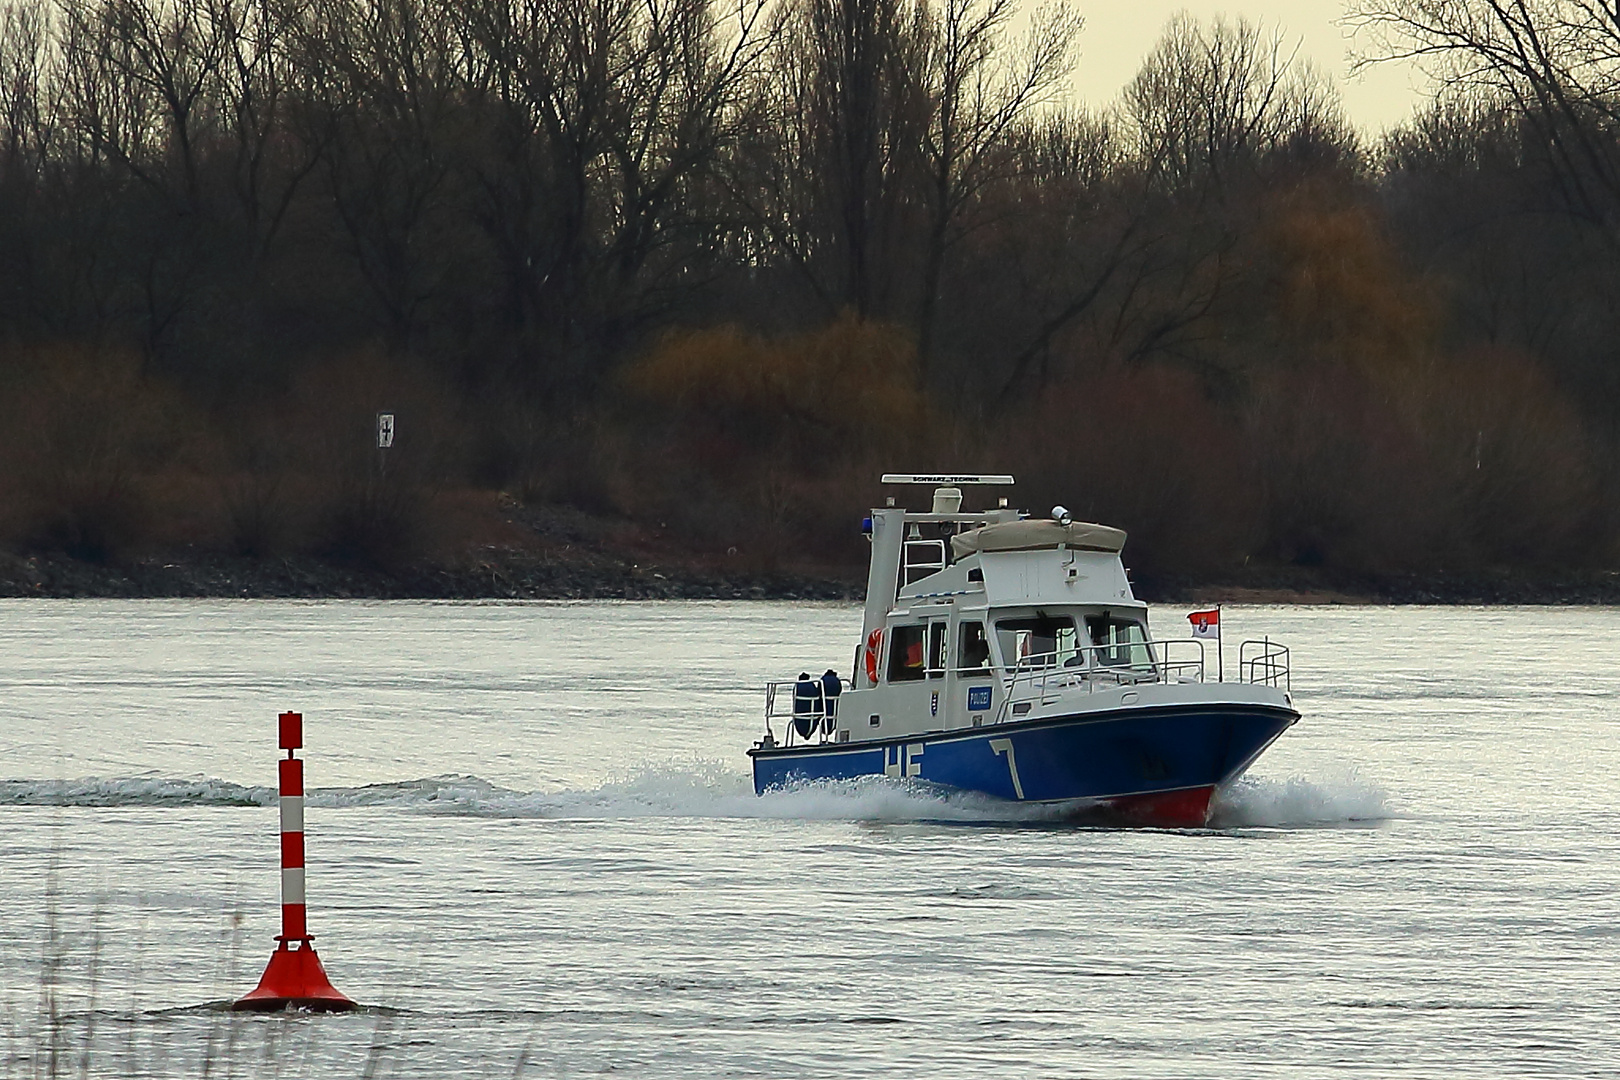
column 599, row 120
column 154, row 64
column 1557, row 60
column 1210, row 99
column 138, row 83
column 381, row 82
column 28, row 111
column 838, row 160
column 256, row 78
column 979, row 95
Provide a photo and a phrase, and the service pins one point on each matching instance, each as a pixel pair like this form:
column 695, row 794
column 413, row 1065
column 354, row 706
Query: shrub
column 84, row 431
column 770, row 446
column 1142, row 449
column 362, row 505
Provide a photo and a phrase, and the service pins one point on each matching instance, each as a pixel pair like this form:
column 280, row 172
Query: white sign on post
column 385, row 430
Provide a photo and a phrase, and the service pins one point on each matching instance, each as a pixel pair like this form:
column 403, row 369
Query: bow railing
column 1265, row 663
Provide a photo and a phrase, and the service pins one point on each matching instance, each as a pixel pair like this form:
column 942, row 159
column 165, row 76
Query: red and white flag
column 1206, row 624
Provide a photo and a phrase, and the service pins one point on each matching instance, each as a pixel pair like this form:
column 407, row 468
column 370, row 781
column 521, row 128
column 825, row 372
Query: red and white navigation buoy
column 294, row 977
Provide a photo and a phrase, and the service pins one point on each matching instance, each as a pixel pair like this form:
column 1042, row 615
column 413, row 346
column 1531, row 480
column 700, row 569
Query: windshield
column 1038, row 641
column 1119, row 642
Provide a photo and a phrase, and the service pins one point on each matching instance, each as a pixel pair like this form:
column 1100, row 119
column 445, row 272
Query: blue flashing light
column 866, row 526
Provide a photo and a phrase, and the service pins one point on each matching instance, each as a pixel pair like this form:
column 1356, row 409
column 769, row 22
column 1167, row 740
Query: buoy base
column 294, row 979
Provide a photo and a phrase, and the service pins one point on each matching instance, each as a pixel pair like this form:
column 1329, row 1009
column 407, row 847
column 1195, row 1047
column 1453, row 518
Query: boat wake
column 134, row 791
column 709, row 790
column 1259, row 802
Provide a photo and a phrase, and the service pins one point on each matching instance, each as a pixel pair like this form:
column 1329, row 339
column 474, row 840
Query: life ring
column 874, row 645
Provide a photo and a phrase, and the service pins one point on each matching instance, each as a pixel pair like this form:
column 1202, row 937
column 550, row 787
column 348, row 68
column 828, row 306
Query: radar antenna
column 944, row 479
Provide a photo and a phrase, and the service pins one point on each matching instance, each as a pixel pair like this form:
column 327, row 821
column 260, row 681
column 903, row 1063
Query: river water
column 534, row 850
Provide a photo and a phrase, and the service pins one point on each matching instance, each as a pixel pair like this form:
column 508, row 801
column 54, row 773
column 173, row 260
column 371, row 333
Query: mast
column 888, row 544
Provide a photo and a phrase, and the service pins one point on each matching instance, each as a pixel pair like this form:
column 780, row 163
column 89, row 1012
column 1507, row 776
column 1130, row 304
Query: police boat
column 1006, row 654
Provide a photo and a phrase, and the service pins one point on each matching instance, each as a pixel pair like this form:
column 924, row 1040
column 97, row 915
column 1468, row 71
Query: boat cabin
column 1006, row 654
column 974, row 617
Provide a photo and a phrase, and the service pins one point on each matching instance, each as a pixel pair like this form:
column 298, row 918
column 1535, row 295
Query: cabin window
column 906, row 654
column 1119, row 642
column 974, row 654
column 1038, row 641
column 937, row 653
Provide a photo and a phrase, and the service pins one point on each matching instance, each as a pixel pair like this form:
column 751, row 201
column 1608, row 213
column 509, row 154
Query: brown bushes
column 1459, row 464
column 1371, row 452
column 1143, row 449
column 83, row 437
column 1466, row 463
column 849, row 388
column 772, row 447
column 769, row 450
column 100, row 461
column 1514, row 462
column 1340, row 474
column 360, row 504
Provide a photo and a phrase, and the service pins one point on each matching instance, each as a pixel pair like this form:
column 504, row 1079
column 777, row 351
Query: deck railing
column 1040, row 678
column 1265, row 663
column 781, row 705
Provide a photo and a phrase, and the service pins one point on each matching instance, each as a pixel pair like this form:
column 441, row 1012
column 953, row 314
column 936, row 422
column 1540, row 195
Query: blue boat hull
column 1156, row 765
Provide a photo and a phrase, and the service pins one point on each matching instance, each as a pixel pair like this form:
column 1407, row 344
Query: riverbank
column 508, row 575
column 498, row 576
column 561, row 554
column 1296, row 585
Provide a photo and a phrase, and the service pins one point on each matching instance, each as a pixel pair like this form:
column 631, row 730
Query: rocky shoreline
column 595, row 575
column 523, row 577
column 1295, row 585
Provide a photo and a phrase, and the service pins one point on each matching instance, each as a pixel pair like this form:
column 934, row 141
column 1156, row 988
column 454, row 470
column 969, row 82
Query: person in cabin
column 806, row 705
column 831, row 687
column 975, row 646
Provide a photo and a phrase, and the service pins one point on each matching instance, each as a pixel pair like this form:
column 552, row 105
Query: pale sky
column 1119, row 33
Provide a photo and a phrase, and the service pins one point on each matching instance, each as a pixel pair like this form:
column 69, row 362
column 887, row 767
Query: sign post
column 385, row 439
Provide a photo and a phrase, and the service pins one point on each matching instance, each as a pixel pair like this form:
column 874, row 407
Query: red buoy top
column 292, row 730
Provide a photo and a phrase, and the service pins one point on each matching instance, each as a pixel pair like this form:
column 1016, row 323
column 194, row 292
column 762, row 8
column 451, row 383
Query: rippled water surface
column 534, row 850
